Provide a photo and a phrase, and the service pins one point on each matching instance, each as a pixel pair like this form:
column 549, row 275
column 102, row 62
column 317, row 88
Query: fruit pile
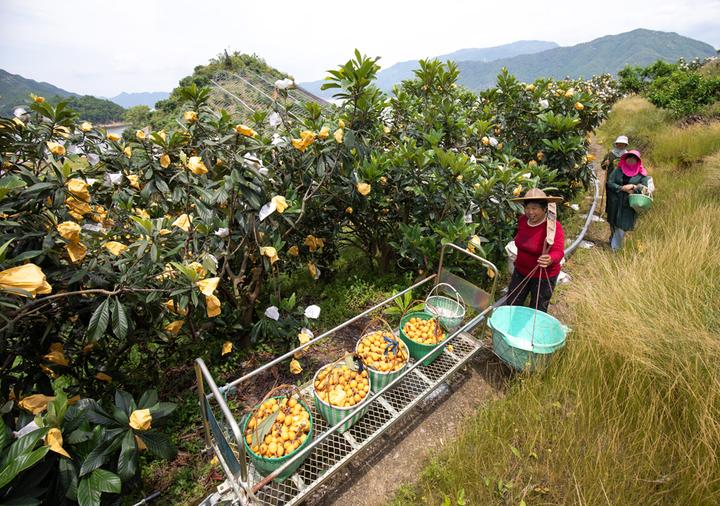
column 424, row 331
column 381, row 351
column 340, row 386
column 286, row 434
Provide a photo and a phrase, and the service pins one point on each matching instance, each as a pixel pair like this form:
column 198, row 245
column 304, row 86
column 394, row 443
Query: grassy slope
column 631, row 412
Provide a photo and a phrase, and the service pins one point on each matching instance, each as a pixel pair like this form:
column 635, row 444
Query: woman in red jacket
column 533, row 251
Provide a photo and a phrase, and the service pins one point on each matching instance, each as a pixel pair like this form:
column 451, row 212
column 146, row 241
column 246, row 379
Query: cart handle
column 458, row 297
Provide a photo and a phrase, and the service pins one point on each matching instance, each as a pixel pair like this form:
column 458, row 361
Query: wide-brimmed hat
column 632, row 152
column 536, row 194
column 622, row 140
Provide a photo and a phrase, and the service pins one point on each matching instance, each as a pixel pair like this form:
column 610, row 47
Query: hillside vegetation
column 15, row 91
column 630, row 411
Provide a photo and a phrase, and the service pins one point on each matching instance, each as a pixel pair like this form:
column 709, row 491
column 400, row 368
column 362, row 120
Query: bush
column 123, row 257
column 682, row 88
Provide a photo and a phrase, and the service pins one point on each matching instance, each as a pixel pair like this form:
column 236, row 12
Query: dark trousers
column 530, row 287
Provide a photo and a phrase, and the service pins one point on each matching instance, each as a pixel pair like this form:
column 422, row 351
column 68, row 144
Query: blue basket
column 525, row 338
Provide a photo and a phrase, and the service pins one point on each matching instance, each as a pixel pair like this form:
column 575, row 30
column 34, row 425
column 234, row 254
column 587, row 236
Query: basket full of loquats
column 422, row 332
column 341, row 388
column 384, row 355
column 276, row 429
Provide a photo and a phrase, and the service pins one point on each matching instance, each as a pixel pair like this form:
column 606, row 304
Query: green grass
column 630, row 413
column 651, row 130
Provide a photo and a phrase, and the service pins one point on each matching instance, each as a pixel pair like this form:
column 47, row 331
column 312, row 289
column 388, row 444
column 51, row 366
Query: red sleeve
column 557, row 250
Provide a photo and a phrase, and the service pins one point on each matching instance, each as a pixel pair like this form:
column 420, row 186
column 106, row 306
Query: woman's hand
column 544, row 261
column 628, row 188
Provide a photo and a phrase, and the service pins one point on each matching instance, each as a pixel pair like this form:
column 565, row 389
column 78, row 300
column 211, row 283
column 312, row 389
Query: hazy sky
column 102, row 48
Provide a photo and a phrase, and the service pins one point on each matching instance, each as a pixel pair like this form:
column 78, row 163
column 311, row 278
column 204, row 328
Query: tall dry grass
column 652, row 131
column 630, row 413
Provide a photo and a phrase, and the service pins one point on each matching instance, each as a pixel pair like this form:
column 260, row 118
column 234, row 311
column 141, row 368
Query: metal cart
column 329, row 451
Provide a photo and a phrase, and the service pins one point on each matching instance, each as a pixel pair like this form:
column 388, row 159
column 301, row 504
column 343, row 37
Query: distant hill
column 15, row 91
column 399, row 72
column 607, row 54
column 144, row 98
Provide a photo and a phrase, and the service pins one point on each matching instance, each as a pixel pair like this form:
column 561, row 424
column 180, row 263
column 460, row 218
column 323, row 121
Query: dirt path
column 399, row 455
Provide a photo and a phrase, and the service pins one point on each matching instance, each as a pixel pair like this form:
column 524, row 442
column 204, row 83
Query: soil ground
column 399, row 456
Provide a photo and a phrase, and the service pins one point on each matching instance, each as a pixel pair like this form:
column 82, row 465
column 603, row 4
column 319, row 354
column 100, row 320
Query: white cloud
column 104, row 48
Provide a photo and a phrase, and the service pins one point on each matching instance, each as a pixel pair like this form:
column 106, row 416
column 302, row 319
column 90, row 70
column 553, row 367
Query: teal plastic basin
column 525, row 338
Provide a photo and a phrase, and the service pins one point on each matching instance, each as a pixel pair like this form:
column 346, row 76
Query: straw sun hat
column 536, row 194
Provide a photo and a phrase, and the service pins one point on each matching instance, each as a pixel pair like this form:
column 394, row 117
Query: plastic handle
column 458, row 297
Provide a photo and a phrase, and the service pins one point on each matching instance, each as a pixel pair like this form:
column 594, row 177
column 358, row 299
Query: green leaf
column 23, row 445
column 27, row 255
column 21, row 462
column 119, row 320
column 350, row 362
column 515, row 451
column 86, row 495
column 148, row 399
column 125, row 402
column 162, row 409
column 127, row 462
column 95, row 459
column 262, row 428
column 99, row 321
column 68, row 478
column 4, row 248
column 4, row 434
column 158, row 444
column 105, row 481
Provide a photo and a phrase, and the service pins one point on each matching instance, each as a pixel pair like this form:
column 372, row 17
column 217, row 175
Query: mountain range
column 394, row 74
column 530, row 60
column 148, row 98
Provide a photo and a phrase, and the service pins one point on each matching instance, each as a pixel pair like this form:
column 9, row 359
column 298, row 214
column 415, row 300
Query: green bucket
column 640, row 203
column 378, row 379
column 418, row 350
column 525, row 338
column 266, row 465
column 333, row 414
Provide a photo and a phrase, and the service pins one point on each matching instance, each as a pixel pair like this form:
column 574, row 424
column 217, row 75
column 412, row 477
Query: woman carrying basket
column 629, row 177
column 537, row 264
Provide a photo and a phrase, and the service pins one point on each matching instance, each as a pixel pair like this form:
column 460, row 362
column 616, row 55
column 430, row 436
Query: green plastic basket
column 641, row 203
column 266, row 465
column 450, row 312
column 525, row 338
column 378, row 379
column 333, row 414
column 418, row 350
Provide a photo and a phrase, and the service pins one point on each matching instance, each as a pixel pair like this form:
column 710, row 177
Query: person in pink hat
column 629, row 177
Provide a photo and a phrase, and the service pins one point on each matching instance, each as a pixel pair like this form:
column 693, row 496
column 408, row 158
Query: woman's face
column 534, row 212
column 631, row 161
column 620, row 145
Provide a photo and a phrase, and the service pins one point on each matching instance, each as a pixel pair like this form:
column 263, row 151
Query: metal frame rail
column 329, row 450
